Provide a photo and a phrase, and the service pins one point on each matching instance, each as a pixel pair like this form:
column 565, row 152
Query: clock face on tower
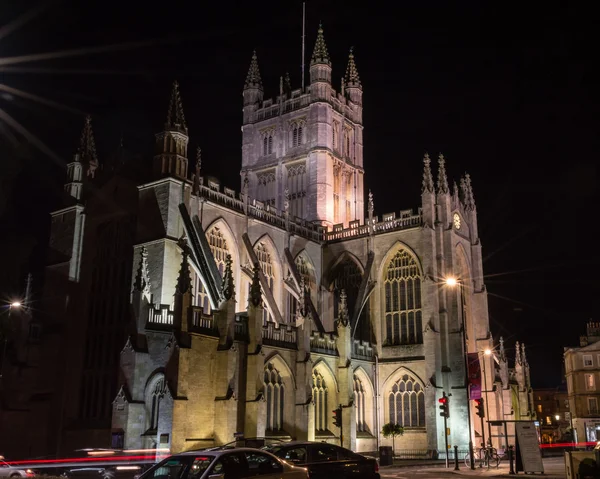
column 456, row 220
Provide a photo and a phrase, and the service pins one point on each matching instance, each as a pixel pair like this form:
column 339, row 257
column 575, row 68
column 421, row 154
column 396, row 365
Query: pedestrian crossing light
column 337, row 417
column 444, row 410
column 479, row 407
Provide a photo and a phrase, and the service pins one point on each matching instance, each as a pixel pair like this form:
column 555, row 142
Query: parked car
column 6, row 470
column 229, row 463
column 326, row 461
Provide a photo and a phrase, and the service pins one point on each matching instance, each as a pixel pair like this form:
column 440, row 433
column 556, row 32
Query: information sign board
column 529, row 447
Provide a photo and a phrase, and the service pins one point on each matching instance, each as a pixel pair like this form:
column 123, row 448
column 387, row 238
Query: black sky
column 507, row 94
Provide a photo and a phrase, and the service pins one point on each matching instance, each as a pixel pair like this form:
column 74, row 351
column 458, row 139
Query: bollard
column 510, row 460
column 456, row 458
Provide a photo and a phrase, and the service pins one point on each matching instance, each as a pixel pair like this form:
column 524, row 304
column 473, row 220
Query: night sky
column 508, row 95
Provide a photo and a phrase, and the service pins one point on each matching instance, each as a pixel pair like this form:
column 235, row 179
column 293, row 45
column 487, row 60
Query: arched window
column 157, row 394
column 265, row 145
column 297, row 134
column 296, row 185
column 359, row 403
column 264, row 259
column 270, row 145
column 274, row 392
column 403, row 315
column 407, row 402
column 334, row 138
column 307, row 273
column 218, row 246
column 348, row 278
column 319, row 390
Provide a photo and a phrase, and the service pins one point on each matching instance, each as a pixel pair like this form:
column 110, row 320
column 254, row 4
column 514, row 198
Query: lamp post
column 487, row 352
column 452, row 282
column 11, row 306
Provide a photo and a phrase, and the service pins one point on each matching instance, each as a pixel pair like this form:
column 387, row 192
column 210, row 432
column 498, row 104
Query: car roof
column 301, row 443
column 217, row 452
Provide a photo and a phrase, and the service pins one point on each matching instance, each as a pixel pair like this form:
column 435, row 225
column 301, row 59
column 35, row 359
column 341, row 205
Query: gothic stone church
column 260, row 311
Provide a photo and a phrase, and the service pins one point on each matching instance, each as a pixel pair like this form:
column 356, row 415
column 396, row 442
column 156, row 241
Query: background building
column 553, row 414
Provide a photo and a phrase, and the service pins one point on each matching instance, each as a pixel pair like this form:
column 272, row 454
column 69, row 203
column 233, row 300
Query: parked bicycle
column 484, row 456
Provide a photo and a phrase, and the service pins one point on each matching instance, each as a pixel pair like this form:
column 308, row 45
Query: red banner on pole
column 474, row 376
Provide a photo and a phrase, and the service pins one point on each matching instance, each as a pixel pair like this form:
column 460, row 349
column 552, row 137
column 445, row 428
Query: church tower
column 171, row 143
column 306, row 145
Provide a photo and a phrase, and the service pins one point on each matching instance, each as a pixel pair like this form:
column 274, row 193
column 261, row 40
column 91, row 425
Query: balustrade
column 283, row 336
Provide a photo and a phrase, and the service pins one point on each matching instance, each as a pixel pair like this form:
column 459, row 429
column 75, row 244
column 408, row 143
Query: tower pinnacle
column 253, row 79
column 175, row 117
column 427, row 176
column 469, row 198
column 442, row 180
column 352, row 78
column 320, row 54
column 87, row 147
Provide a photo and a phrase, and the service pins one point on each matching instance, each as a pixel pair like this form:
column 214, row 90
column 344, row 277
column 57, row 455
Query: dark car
column 326, row 461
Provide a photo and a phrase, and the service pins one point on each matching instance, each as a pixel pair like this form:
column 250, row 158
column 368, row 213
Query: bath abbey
column 196, row 313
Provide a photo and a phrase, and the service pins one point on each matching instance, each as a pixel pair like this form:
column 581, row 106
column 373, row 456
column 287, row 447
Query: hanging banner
column 474, row 376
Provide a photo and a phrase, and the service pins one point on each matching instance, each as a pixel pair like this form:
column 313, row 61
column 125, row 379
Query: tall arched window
column 154, row 400
column 403, row 315
column 359, row 403
column 407, row 402
column 264, row 259
column 319, row 390
column 220, row 250
column 274, row 392
column 348, row 277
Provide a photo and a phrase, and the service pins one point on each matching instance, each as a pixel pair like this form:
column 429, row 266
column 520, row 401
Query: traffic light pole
column 446, row 439
column 341, row 427
column 465, row 355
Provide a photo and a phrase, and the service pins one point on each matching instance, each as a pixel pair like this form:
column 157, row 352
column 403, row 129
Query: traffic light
column 444, row 410
column 479, row 407
column 337, row 417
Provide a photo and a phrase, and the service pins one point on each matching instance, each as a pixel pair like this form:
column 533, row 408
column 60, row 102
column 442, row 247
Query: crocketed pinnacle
column 455, row 197
column 442, row 179
column 184, row 280
column 142, row 278
column 175, row 117
column 427, row 176
column 343, row 308
column 523, row 356
column 255, row 291
column 517, row 353
column 228, row 287
column 462, row 194
column 320, row 54
column 469, row 198
column 501, row 351
column 87, row 145
column 371, row 204
column 196, row 179
column 253, row 78
column 352, row 79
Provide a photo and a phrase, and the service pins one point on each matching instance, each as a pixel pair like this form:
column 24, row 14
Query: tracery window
column 348, row 277
column 274, row 391
column 359, row 402
column 296, row 185
column 319, row 390
column 337, row 191
column 406, row 402
column 403, row 315
column 297, row 128
column 156, row 397
column 347, row 143
column 334, row 139
column 266, row 188
column 264, row 259
column 220, row 250
column 268, row 142
column 305, row 271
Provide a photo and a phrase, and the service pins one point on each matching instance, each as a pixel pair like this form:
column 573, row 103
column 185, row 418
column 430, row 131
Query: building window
column 548, row 420
column 117, row 440
column 403, row 315
column 359, row 403
column 264, row 259
column 337, row 192
column 157, row 395
column 266, row 188
column 268, row 142
column 296, row 185
column 589, row 382
column 592, row 405
column 219, row 248
column 306, row 272
column 539, row 408
column 587, row 361
column 407, row 403
column 334, row 139
column 297, row 134
column 319, row 390
column 348, row 277
column 274, row 391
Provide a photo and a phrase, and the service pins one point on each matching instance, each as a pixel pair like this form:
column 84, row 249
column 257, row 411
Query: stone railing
column 283, row 336
column 240, row 328
column 324, row 343
column 161, row 316
column 362, row 350
column 202, row 323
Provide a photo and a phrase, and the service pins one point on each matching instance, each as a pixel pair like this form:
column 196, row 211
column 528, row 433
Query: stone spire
column 442, row 179
column 371, row 204
column 427, row 176
column 255, row 297
column 517, row 353
column 469, row 198
column 352, row 80
column 142, row 277
column 501, row 351
column 253, row 79
column 455, row 197
column 523, row 357
column 228, row 287
column 87, row 148
column 462, row 192
column 343, row 309
column 184, row 280
column 287, row 84
column 175, row 117
column 320, row 54
column 196, row 182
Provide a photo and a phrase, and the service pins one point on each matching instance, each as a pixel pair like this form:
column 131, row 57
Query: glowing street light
column 557, row 417
column 487, row 352
column 15, row 304
column 451, row 281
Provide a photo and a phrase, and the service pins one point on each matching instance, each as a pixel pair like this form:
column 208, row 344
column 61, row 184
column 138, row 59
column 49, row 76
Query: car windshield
column 180, row 467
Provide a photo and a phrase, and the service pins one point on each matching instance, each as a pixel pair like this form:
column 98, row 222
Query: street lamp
column 557, row 417
column 454, row 282
column 487, row 352
column 11, row 306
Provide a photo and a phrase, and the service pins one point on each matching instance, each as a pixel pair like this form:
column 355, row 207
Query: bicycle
column 487, row 456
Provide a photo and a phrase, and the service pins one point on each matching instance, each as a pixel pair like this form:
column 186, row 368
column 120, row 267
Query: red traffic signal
column 479, row 407
column 337, row 417
column 444, row 409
